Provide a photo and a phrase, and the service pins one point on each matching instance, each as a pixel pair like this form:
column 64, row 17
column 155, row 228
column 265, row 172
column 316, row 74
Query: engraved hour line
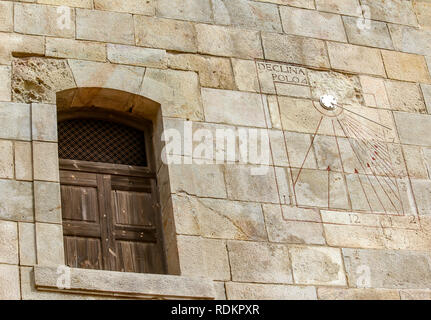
column 360, row 162
column 394, row 192
column 363, row 117
column 370, row 131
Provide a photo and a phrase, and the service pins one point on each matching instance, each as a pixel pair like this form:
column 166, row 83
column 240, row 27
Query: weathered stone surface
column 374, row 92
column 44, row 20
column 346, row 88
column 75, row 49
column 45, row 161
column 415, row 294
column 426, row 91
column 131, row 6
column 157, row 33
column 246, row 14
column 415, row 162
column 6, row 16
column 423, row 13
column 106, row 75
column 9, row 242
column 395, row 11
column 228, row 42
column 47, row 202
column 357, row 294
column 271, row 263
column 245, row 75
column 70, row 3
column 308, row 4
column 325, row 26
column 213, row 72
column 49, row 244
column 253, row 291
column 27, row 244
column 387, row 268
column 295, row 49
column 352, row 236
column 406, row 66
column 422, row 192
column 9, row 282
column 317, row 265
column 38, row 79
column 241, row 184
column 16, row 200
column 248, row 109
column 356, row 59
column 104, row 26
column 144, row 57
column 177, row 92
column 347, row 7
column 5, row 83
column 376, row 35
column 405, row 96
column 192, row 10
column 413, row 128
column 22, row 44
column 220, row 291
column 23, row 161
column 288, row 231
column 6, row 160
column 216, row 218
column 411, row 40
column 203, row 180
column 15, row 121
column 44, row 122
column 206, row 258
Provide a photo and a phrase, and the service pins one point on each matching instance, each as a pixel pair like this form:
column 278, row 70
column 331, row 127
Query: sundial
column 361, row 172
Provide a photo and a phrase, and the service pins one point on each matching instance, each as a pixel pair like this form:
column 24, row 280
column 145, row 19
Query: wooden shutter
column 111, row 222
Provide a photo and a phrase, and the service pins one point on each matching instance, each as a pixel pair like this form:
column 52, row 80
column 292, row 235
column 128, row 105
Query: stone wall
column 343, row 208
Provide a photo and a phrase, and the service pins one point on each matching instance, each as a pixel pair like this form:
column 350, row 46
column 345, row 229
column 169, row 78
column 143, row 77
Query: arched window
column 109, row 198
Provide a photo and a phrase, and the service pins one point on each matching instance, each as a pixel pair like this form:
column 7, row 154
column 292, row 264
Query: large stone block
column 6, row 16
column 411, row 40
column 405, row 96
column 423, row 13
column 70, row 3
column 107, row 75
column 346, row 7
column 23, row 161
column 325, row 26
column 5, row 83
column 49, row 244
column 355, row 59
column 216, row 218
column 177, row 92
column 131, row 6
column 157, row 33
column 144, row 57
column 192, row 10
column 44, row 122
column 213, row 72
column 247, row 14
column 254, row 291
column 413, row 128
column 422, row 192
column 233, row 107
column 16, row 200
column 27, row 244
column 317, row 265
column 47, row 202
column 9, row 242
column 242, row 184
column 388, row 268
column 45, row 161
column 415, row 162
column 426, row 91
column 9, row 282
column 206, row 258
column 290, row 231
column 374, row 35
column 308, row 4
column 228, row 42
column 75, row 49
column 295, row 49
column 44, row 20
column 246, row 75
column 259, row 262
column 104, row 26
column 39, row 79
column 374, row 92
column 357, row 294
column 395, row 11
column 6, row 160
column 406, row 66
column 18, row 43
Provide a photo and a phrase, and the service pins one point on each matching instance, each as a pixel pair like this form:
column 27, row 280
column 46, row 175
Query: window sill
column 124, row 284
